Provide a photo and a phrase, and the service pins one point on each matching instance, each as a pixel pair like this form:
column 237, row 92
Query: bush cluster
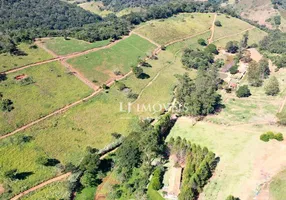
column 270, row 135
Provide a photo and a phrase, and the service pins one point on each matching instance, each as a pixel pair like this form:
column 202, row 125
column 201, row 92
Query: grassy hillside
column 100, row 66
column 63, row 47
column 8, row 61
column 56, row 190
column 230, row 26
column 53, row 88
column 255, row 35
column 177, row 27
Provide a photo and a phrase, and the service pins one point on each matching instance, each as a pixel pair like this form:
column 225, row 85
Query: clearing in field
column 96, row 7
column 100, row 66
column 176, row 27
column 246, row 163
column 230, row 26
column 30, row 55
column 38, row 91
column 62, row 46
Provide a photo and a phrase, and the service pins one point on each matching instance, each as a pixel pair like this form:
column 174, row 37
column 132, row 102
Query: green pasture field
column 63, row 47
column 53, row 88
column 176, row 27
column 240, row 151
column 100, row 66
column 159, row 92
column 191, row 42
column 278, row 186
column 230, row 26
column 66, row 136
column 8, row 61
column 255, row 36
column 56, row 190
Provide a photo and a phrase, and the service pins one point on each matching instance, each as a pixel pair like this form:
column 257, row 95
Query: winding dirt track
column 212, row 29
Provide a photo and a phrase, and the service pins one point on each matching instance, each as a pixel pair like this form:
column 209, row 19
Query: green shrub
column 279, row 137
column 218, row 23
column 243, row 91
column 202, row 42
column 270, row 136
column 121, row 86
column 233, row 69
column 264, row 137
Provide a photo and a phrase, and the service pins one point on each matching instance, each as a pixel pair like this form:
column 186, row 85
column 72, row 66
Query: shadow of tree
column 144, row 76
column 3, row 77
column 23, row 175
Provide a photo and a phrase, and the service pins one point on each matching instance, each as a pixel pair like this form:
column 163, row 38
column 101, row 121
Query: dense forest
column 44, row 14
column 117, row 5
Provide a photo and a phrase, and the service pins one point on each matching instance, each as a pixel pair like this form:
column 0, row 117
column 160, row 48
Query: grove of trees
column 200, row 164
column 199, row 96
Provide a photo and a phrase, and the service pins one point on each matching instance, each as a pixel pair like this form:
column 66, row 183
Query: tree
column 199, row 97
column 88, row 179
column 6, row 105
column 277, row 20
column 90, row 163
column 7, row 44
column 244, row 41
column 195, row 58
column 211, row 48
column 234, row 69
column 254, row 74
column 202, row 42
column 218, row 23
column 272, row 86
column 138, row 71
column 264, row 67
column 230, row 197
column 243, row 91
column 128, row 155
column 232, row 47
column 280, row 61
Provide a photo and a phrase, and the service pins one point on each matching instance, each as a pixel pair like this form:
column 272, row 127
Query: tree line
column 133, row 160
column 199, row 166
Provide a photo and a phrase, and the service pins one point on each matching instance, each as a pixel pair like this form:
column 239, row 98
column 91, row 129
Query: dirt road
column 212, row 29
column 58, row 178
